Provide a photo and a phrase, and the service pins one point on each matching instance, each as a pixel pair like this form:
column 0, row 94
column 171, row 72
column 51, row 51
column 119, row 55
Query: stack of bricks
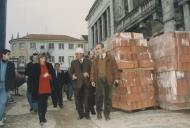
column 171, row 52
column 136, row 89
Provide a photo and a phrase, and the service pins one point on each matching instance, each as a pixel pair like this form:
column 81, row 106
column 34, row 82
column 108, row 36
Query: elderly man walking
column 104, row 74
column 80, row 73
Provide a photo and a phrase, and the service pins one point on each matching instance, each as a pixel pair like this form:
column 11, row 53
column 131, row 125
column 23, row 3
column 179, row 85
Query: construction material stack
column 136, row 89
column 171, row 52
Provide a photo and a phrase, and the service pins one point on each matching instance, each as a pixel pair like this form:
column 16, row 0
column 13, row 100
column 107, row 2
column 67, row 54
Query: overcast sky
column 65, row 17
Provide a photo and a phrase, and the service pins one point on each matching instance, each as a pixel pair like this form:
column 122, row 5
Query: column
column 95, row 36
column 99, row 29
column 130, row 5
column 91, row 41
column 103, row 27
column 186, row 12
column 108, row 22
column 3, row 4
column 168, row 15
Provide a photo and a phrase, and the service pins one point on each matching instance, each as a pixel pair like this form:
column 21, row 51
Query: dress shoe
column 99, row 115
column 93, row 111
column 87, row 117
column 80, row 117
column 107, row 116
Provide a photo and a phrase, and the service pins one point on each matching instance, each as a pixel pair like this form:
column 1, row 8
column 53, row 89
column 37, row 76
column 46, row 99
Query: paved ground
column 18, row 116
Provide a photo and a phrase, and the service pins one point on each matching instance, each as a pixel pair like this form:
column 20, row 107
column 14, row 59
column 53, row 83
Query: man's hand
column 46, row 75
column 93, row 84
column 74, row 77
column 86, row 74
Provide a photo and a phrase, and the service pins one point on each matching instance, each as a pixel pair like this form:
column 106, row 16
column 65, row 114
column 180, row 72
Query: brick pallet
column 133, row 56
column 171, row 53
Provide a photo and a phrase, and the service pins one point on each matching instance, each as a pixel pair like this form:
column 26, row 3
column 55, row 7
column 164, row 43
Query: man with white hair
column 80, row 73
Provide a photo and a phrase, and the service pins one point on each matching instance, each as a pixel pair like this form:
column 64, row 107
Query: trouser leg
column 99, row 95
column 54, row 98
column 79, row 101
column 3, row 102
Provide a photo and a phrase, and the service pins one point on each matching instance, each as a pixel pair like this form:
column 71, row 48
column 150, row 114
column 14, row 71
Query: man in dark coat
column 80, row 73
column 7, row 81
column 28, row 74
column 57, row 93
column 68, row 86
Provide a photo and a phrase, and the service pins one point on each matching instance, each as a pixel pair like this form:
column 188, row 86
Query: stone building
column 100, row 21
column 150, row 17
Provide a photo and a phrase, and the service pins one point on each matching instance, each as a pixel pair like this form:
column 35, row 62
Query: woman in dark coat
column 43, row 76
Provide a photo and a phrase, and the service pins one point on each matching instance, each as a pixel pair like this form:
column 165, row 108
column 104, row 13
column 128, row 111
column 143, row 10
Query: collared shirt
column 3, row 70
column 81, row 60
column 102, row 56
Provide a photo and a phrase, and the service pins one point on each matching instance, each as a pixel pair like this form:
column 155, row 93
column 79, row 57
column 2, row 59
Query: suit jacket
column 78, row 69
column 35, row 78
column 28, row 72
column 112, row 72
column 59, row 80
column 67, row 78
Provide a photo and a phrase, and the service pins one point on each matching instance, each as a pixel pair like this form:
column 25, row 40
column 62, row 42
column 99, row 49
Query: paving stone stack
column 136, row 89
column 171, row 52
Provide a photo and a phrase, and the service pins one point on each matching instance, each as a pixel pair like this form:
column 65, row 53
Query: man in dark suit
column 57, row 93
column 28, row 74
column 80, row 73
column 7, row 81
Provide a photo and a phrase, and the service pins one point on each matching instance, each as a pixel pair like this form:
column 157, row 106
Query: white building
column 100, row 21
column 61, row 48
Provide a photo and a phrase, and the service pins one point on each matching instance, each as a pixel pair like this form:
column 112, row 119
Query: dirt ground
column 18, row 116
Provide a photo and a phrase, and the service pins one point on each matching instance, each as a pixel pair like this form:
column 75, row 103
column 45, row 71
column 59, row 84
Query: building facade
column 150, row 17
column 60, row 48
column 100, row 22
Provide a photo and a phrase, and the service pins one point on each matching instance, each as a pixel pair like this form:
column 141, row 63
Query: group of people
column 92, row 80
column 90, row 77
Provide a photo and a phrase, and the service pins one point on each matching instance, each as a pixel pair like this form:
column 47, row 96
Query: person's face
column 57, row 67
column 91, row 54
column 42, row 60
column 7, row 56
column 99, row 50
column 35, row 59
column 78, row 56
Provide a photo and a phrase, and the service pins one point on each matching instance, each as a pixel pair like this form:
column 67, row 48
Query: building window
column 70, row 59
column 21, row 45
column 61, row 59
column 81, row 45
column 51, row 45
column 42, row 47
column 32, row 45
column 52, row 59
column 61, row 46
column 71, row 46
column 21, row 61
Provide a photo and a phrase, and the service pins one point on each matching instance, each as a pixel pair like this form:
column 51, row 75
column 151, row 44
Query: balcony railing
column 181, row 2
column 145, row 9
